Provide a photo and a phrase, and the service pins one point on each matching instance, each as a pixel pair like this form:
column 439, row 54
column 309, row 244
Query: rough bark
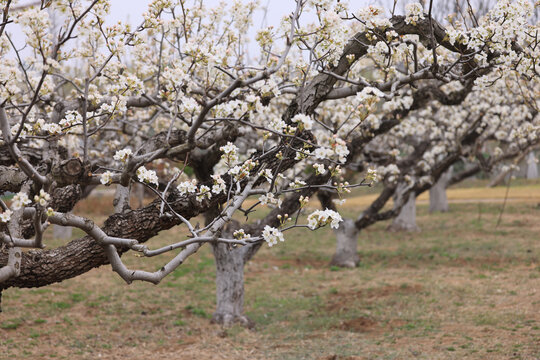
column 468, row 172
column 516, row 157
column 532, row 166
column 11, row 179
column 44, row 267
column 31, row 154
column 346, row 254
column 438, row 201
column 406, row 220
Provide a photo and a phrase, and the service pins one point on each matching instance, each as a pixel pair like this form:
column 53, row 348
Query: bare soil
column 462, row 288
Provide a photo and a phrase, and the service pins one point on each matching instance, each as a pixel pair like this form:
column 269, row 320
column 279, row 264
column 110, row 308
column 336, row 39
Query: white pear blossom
column 340, row 149
column 230, row 153
column 240, row 172
column 19, row 201
column 122, row 155
column 271, row 235
column 106, row 178
column 372, row 175
column 72, row 118
column 6, row 216
column 323, row 153
column 24, row 132
column 267, row 173
column 303, row 121
column 187, row 187
column 413, row 13
column 270, row 199
column 297, row 184
column 52, row 128
column 319, row 169
column 147, row 176
column 371, row 92
column 219, row 184
column 204, row 192
column 320, row 218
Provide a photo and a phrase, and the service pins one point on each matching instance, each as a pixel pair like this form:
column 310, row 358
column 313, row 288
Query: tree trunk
column 438, row 202
column 406, row 220
column 121, row 198
column 62, row 232
column 346, row 245
column 230, row 286
column 230, row 263
column 346, row 254
column 532, row 167
column 507, row 174
column 139, row 195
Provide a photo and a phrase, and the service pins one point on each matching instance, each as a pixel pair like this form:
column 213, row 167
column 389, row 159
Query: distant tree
column 428, row 142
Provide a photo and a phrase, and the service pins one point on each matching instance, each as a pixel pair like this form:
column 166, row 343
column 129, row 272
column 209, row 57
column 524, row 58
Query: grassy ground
column 460, row 289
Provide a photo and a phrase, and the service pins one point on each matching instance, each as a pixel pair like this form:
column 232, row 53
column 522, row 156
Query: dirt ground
column 462, row 288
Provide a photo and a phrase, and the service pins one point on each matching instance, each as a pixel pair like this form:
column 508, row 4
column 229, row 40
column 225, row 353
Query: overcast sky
column 132, row 10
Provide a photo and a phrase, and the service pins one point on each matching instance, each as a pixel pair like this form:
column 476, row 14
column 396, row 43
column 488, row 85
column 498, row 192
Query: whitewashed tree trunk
column 62, row 232
column 139, row 195
column 504, row 176
column 121, row 198
column 346, row 254
column 230, row 286
column 532, row 166
column 230, row 262
column 406, row 220
column 438, row 202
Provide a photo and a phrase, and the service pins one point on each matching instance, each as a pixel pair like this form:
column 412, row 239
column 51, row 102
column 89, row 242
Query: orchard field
column 246, row 123
column 462, row 288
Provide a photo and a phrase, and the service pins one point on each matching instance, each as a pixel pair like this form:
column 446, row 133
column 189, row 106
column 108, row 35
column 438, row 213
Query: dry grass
column 527, row 193
column 460, row 289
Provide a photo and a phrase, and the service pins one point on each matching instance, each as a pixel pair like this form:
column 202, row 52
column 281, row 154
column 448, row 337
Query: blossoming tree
column 503, row 117
column 95, row 103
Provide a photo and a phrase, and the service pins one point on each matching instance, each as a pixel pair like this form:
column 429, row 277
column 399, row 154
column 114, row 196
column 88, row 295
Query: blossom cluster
column 320, row 218
column 42, row 198
column 5, row 216
column 106, row 178
column 122, row 155
column 413, row 13
column 20, row 200
column 272, row 235
column 147, row 176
